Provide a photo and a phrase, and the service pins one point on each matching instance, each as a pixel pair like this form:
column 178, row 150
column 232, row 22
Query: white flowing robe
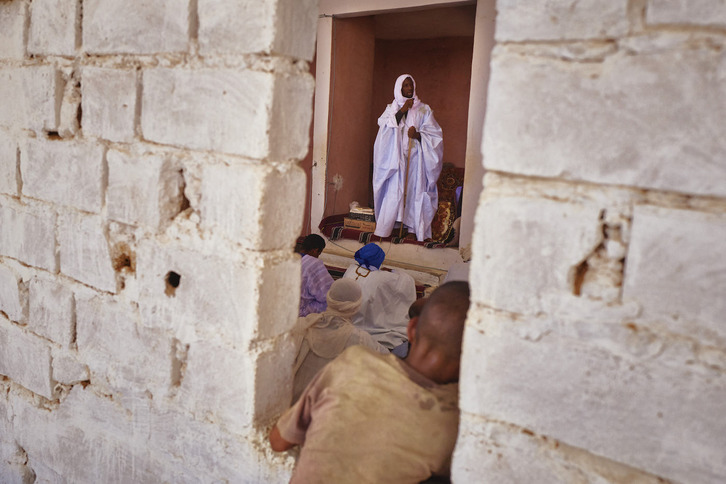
column 389, row 170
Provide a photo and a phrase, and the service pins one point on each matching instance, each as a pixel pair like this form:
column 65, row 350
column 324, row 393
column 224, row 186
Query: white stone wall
column 149, row 201
column 150, row 198
column 595, row 350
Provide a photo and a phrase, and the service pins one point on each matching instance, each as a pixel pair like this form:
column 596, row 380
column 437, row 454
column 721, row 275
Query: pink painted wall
column 307, row 165
column 442, row 70
column 351, row 151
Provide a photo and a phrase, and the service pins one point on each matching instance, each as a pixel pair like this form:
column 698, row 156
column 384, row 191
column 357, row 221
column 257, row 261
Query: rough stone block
column 711, row 13
column 291, row 115
column 215, row 299
column 12, row 294
column 27, row 235
column 25, row 359
column 285, row 27
column 109, row 103
column 227, row 110
column 676, row 271
column 270, row 203
column 135, row 26
column 8, row 165
column 521, row 21
column 118, row 351
column 508, row 454
column 68, row 370
column 273, row 378
column 528, row 251
column 65, row 172
column 51, row 311
column 606, row 122
column 189, row 293
column 200, row 452
column 84, row 251
column 54, row 27
column 207, row 373
column 607, row 388
column 31, row 97
column 143, row 189
column 12, row 26
column 106, row 442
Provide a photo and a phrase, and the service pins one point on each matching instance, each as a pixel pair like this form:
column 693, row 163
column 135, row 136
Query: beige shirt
column 368, row 417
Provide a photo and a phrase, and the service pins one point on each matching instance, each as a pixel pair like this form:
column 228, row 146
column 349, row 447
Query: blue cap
column 370, row 255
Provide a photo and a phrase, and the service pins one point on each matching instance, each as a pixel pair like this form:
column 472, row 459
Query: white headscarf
column 398, row 98
column 327, row 333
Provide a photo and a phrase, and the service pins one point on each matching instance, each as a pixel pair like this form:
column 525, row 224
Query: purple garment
column 316, row 281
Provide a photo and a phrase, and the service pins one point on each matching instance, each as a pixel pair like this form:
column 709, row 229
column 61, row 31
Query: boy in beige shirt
column 368, row 417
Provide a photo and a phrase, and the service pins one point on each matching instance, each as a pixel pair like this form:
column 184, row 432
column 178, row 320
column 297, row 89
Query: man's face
column 407, row 87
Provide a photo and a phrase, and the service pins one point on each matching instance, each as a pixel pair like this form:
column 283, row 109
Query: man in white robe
column 408, row 134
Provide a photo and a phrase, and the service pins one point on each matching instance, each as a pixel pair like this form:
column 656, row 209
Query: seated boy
column 368, row 417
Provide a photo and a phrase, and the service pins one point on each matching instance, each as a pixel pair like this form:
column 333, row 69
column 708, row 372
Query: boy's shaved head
column 442, row 319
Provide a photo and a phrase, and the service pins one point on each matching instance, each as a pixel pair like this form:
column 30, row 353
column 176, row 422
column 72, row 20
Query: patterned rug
column 332, row 228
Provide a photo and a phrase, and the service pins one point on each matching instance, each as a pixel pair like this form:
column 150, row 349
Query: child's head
column 313, row 245
column 439, row 329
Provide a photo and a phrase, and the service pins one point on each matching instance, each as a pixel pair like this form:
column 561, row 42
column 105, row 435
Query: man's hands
column 406, row 106
column 412, row 133
column 277, row 443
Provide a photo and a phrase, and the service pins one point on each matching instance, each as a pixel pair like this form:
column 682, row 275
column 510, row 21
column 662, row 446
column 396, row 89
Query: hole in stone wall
column 580, row 272
column 172, row 282
column 124, row 258
column 54, row 135
column 185, row 201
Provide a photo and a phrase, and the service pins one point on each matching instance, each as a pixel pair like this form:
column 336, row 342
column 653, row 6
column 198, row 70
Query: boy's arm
column 277, row 443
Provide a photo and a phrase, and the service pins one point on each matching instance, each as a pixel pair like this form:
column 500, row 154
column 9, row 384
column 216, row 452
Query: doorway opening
column 362, row 47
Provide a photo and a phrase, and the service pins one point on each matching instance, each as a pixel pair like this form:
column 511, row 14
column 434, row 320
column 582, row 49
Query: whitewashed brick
column 115, row 348
column 12, row 25
column 51, row 311
column 28, row 236
column 233, row 390
column 8, row 165
column 68, row 370
column 507, row 454
column 273, row 378
column 292, row 112
column 25, row 359
column 216, row 299
column 109, row 103
column 201, row 452
column 527, row 251
column 106, row 442
column 65, row 172
column 264, row 215
column 12, row 297
column 603, row 388
column 227, row 110
column 687, row 293
column 135, row 26
column 54, row 27
column 31, row 97
column 212, row 109
column 607, row 122
column 554, row 20
column 84, row 251
column 144, row 189
column 285, row 27
column 710, row 13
